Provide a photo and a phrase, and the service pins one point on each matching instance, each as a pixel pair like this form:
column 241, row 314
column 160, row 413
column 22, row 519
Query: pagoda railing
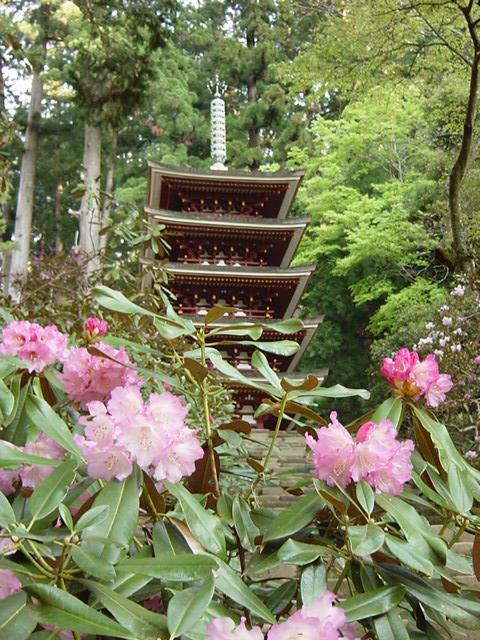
column 248, row 314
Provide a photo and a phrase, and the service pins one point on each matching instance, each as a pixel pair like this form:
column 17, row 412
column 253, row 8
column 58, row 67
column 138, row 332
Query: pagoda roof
column 247, row 276
column 279, row 188
column 209, row 223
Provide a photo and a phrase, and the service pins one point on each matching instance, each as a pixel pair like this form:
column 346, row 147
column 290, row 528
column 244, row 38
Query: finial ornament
column 218, row 136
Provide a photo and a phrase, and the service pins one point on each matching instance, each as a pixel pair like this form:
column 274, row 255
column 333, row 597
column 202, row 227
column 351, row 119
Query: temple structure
column 232, row 243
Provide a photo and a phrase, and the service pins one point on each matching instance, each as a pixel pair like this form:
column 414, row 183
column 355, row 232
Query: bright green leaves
column 16, row 618
column 47, row 420
column 372, row 603
column 247, row 531
column 180, row 568
column 313, row 583
column 294, row 517
column 366, row 539
column 7, row 516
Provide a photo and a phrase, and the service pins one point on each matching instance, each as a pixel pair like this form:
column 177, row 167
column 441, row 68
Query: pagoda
column 232, row 244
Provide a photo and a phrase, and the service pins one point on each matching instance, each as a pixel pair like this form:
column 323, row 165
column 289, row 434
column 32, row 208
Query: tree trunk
column 24, row 212
column 58, row 217
column 459, row 171
column 253, row 133
column 89, row 242
column 109, row 184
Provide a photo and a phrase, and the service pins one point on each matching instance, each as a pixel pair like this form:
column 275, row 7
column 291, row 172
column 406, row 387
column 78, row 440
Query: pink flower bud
column 95, row 327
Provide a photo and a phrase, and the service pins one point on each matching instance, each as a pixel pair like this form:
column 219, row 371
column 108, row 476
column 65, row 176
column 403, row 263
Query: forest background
column 377, row 102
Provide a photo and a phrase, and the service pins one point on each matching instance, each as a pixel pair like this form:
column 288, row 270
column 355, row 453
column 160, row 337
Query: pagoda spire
column 218, row 141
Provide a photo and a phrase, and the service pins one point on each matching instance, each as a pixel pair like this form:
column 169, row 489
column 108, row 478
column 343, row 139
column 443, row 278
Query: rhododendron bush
column 131, row 508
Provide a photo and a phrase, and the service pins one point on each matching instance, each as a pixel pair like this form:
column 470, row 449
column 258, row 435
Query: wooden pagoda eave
column 247, row 275
column 288, row 181
column 202, row 223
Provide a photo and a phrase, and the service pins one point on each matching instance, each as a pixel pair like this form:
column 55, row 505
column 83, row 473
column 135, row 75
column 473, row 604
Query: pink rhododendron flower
column 413, row 378
column 9, row 583
column 318, row 620
column 380, row 459
column 8, row 478
column 225, row 629
column 95, row 327
column 88, row 377
column 375, row 456
column 37, row 346
column 333, row 453
column 153, row 434
column 32, row 475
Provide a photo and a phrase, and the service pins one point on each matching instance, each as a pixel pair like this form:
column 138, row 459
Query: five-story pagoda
column 232, row 244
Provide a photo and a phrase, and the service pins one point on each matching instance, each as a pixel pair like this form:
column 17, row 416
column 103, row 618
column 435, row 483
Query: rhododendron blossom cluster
column 87, row 377
column 314, row 621
column 37, row 346
column 9, row 583
column 375, row 455
column 413, row 378
column 126, row 430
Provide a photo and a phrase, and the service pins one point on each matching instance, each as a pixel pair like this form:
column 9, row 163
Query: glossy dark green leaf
column 281, row 596
column 7, row 401
column 168, row 540
column 392, row 409
column 179, row 568
column 313, row 582
column 247, row 531
column 187, row 607
column 206, row 527
column 336, row 391
column 116, row 301
column 92, row 565
column 300, row 553
column 407, row 554
column 372, row 603
column 7, row 515
column 294, row 517
column 141, row 622
column 47, row 420
column 233, row 373
column 365, row 496
column 460, row 488
column 231, row 584
column 62, row 609
column 366, row 539
column 66, row 516
column 261, row 364
column 51, row 491
column 95, row 516
column 16, row 618
column 122, row 500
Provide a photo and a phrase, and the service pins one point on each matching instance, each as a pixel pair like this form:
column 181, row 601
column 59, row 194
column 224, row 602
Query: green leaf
column 116, row 301
column 313, row 583
column 140, row 621
column 407, row 554
column 300, row 553
column 366, row 539
column 205, row 526
column 51, row 491
column 372, row 603
column 217, row 312
column 45, row 419
column 282, row 596
column 92, row 565
column 7, row 515
column 365, row 496
column 294, row 517
column 460, row 489
column 231, row 584
column 10, row 458
column 246, row 529
column 94, row 516
column 278, row 347
column 392, row 408
column 233, row 373
column 122, row 500
column 168, row 540
column 16, row 424
column 66, row 516
column 260, row 362
column 337, row 391
column 390, row 626
column 7, row 400
column 169, row 330
column 65, row 611
column 187, row 607
column 16, row 619
column 289, row 325
column 179, row 568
